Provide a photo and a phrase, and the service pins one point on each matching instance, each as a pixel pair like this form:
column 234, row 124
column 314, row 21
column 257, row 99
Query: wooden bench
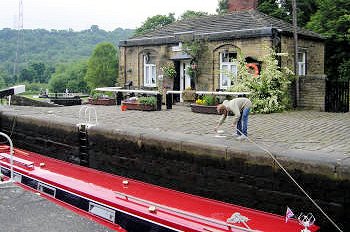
column 23, row 162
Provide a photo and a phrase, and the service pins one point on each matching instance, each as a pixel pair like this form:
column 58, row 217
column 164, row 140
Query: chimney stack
column 240, row 5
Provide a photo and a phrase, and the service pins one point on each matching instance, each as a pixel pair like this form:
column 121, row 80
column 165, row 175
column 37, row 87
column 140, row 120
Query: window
column 149, row 71
column 301, row 63
column 227, row 68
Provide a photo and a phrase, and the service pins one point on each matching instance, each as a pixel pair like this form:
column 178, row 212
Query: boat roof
column 146, row 200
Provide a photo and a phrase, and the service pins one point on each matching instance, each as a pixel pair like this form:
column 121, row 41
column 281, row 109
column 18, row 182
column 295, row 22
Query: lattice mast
column 20, row 39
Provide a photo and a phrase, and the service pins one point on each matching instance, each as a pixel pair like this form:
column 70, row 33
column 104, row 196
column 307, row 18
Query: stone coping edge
column 332, row 165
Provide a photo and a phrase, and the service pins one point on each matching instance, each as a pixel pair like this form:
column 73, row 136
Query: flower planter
column 102, row 101
column 189, row 95
column 203, row 109
column 138, row 106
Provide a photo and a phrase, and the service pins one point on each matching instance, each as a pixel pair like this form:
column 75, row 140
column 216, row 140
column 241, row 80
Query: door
column 185, row 79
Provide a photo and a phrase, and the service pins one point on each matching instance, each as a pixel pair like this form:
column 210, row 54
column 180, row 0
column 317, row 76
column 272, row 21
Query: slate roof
column 239, row 24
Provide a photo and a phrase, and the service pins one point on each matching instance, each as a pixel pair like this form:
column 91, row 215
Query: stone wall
column 247, row 178
column 312, row 92
column 131, row 60
column 24, row 101
column 314, row 54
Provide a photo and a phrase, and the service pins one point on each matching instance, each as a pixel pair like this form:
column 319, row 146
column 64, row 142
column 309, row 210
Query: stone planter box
column 138, row 106
column 189, row 95
column 203, row 109
column 102, row 101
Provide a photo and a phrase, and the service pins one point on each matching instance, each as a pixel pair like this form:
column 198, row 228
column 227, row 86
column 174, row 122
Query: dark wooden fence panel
column 337, row 96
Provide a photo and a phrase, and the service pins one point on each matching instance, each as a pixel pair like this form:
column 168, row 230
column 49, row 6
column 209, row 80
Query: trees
column 332, row 20
column 155, row 22
column 102, row 66
column 50, row 48
column 192, row 14
column 36, row 72
column 281, row 9
column 222, row 7
column 69, row 76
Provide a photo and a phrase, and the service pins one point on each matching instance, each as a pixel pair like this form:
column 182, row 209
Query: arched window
column 150, row 77
column 228, row 68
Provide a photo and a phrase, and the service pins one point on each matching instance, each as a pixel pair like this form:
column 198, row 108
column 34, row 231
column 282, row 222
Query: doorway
column 185, row 79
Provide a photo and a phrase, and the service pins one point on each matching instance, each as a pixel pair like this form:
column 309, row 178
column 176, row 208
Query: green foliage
column 102, row 66
column 209, row 100
column 344, row 70
column 189, row 14
column 222, row 7
column 332, row 20
column 36, row 72
column 275, row 9
column 155, row 22
column 169, row 70
column 269, row 90
column 148, row 100
column 2, row 79
column 69, row 76
column 51, row 48
column 196, row 48
column 34, row 87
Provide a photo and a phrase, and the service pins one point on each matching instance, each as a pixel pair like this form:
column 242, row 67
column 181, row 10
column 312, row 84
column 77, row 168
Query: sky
column 81, row 14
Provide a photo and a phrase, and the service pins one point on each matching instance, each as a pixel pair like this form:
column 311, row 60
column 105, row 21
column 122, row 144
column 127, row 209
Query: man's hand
column 216, row 128
column 234, row 126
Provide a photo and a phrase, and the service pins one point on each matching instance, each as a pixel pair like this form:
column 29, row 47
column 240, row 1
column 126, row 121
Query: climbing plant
column 197, row 49
column 270, row 89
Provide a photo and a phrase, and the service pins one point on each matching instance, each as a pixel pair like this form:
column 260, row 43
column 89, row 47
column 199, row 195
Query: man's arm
column 221, row 121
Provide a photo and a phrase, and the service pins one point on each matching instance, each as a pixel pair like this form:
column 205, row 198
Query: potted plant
column 101, row 99
column 169, row 74
column 205, row 104
column 141, row 103
column 189, row 95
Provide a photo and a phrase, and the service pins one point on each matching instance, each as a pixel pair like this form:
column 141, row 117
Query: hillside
column 52, row 47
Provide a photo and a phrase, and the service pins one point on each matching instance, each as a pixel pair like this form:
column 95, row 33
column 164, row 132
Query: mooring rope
column 293, row 180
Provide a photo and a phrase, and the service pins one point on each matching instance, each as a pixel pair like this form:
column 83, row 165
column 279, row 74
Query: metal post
column 159, row 102
column 119, row 98
column 11, row 153
column 295, row 32
column 169, row 101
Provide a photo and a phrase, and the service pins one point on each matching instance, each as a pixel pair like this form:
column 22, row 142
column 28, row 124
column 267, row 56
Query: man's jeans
column 242, row 124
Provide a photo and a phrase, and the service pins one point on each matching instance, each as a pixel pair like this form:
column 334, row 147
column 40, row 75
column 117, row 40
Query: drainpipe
column 124, row 65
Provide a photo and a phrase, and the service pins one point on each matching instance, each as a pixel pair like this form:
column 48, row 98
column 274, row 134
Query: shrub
column 210, row 100
column 269, row 90
column 148, row 100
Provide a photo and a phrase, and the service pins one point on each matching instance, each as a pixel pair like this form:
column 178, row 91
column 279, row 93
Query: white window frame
column 149, row 73
column 231, row 66
column 302, row 64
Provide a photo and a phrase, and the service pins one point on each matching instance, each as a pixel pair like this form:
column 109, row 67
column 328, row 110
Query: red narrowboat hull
column 128, row 205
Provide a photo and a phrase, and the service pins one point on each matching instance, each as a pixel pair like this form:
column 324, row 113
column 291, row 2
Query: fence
column 337, row 96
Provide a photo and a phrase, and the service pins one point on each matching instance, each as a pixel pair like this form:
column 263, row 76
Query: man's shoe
column 241, row 138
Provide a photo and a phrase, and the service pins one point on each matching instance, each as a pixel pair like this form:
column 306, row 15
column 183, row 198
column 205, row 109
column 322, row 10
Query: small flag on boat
column 289, row 214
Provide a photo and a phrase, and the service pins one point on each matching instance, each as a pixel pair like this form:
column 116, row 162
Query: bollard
column 169, row 101
column 159, row 102
column 119, row 98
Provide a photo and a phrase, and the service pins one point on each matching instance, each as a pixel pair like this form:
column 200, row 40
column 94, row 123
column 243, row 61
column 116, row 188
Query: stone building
column 244, row 30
